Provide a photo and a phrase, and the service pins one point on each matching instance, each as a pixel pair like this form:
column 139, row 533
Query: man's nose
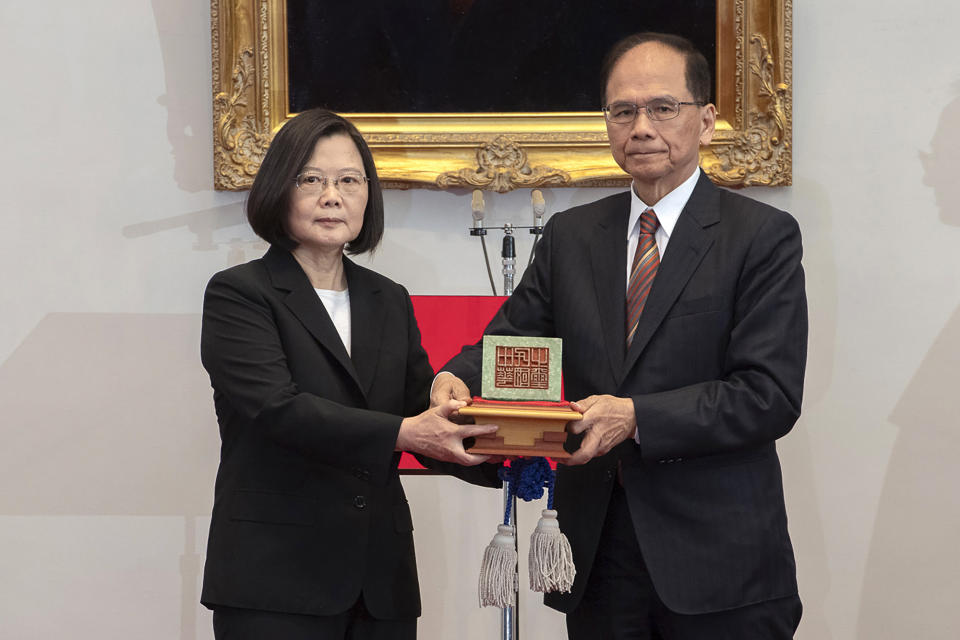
column 642, row 126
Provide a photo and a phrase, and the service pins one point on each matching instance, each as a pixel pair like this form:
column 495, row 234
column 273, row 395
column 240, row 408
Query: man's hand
column 607, row 421
column 432, row 434
column 448, row 387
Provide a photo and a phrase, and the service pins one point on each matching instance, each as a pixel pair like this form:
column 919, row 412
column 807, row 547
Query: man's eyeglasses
column 312, row 182
column 657, row 110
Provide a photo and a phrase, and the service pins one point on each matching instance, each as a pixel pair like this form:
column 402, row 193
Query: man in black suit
column 684, row 320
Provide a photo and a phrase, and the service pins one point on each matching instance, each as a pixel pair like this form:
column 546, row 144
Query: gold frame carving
column 504, row 151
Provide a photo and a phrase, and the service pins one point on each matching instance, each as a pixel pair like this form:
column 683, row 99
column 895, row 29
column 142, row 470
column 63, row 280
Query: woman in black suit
column 319, row 380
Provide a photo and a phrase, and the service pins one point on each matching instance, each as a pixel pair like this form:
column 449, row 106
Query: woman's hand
column 432, row 434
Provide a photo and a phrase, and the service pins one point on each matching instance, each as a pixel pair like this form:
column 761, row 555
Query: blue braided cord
column 551, row 480
column 504, row 474
column 526, row 479
column 531, row 474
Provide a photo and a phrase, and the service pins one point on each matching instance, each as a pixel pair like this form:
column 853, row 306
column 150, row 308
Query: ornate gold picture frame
column 505, row 151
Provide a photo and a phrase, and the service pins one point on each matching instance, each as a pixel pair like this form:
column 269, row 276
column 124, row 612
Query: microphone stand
column 509, row 616
column 508, row 254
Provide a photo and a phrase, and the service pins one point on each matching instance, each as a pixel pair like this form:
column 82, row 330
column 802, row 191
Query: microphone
column 477, row 210
column 509, row 254
column 539, row 208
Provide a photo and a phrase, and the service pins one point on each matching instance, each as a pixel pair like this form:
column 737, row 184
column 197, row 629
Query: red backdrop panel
column 446, row 324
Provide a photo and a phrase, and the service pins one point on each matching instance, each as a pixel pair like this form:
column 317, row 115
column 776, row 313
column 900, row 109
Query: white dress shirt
column 668, row 212
column 337, row 304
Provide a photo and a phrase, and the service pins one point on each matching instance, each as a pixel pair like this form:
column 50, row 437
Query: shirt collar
column 669, row 207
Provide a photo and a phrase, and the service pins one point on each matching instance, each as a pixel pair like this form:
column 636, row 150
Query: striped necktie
column 646, row 261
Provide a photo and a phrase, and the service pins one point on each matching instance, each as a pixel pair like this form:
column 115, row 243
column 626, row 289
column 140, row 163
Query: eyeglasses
column 657, row 110
column 314, row 183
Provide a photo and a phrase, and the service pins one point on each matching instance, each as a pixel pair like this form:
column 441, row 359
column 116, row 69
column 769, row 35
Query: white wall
column 110, row 231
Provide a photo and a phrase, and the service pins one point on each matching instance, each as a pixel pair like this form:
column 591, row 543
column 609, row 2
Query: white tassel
column 498, row 573
column 551, row 560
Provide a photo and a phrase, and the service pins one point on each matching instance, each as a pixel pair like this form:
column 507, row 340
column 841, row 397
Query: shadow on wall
column 912, row 584
column 183, row 30
column 110, row 415
column 204, row 224
column 816, row 214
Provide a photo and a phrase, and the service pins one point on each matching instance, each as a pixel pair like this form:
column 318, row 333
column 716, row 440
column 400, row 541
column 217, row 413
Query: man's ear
column 708, row 123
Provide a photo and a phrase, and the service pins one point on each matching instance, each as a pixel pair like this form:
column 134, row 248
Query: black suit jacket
column 308, row 508
column 715, row 372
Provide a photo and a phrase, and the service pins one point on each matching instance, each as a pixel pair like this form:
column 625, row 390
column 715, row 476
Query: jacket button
column 359, row 502
column 609, row 475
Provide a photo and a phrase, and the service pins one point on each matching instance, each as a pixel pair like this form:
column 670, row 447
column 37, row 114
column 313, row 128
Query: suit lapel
column 303, row 302
column 367, row 320
column 689, row 242
column 608, row 255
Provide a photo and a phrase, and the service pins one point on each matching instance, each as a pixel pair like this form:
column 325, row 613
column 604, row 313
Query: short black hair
column 268, row 204
column 697, row 67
